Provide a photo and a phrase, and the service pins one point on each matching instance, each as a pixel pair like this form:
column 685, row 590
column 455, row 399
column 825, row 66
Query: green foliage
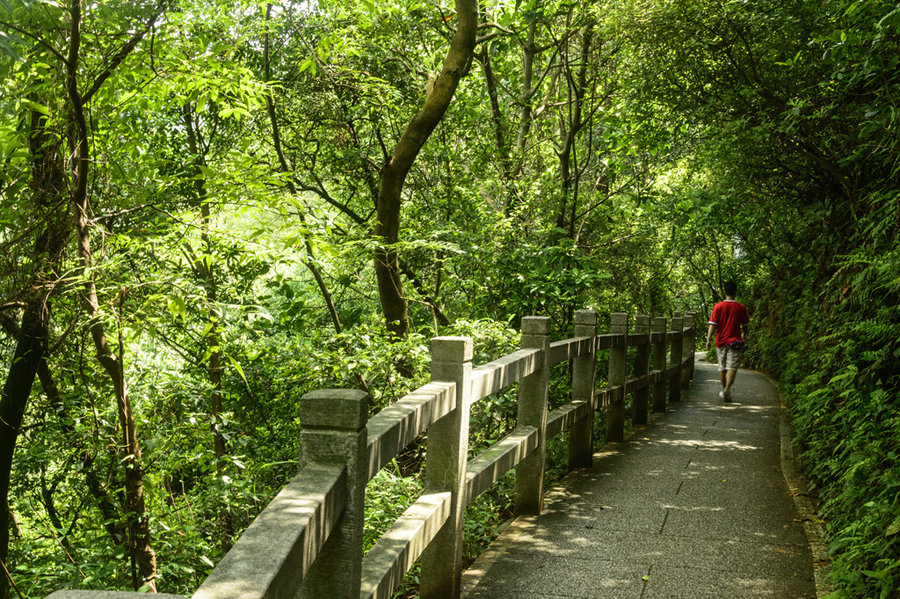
column 658, row 149
column 789, row 184
column 387, row 496
column 847, row 422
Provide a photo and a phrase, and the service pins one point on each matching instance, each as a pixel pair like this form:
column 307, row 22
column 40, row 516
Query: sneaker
column 721, row 395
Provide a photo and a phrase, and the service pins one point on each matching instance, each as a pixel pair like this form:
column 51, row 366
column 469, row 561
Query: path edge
column 792, row 470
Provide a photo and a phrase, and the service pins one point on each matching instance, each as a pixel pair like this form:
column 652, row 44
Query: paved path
column 694, row 505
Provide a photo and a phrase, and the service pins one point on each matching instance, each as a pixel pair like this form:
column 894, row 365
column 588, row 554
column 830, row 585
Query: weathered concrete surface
column 694, row 505
column 107, row 595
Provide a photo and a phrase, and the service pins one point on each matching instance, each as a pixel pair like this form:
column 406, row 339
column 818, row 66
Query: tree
column 142, row 555
column 32, row 335
column 65, row 181
column 393, row 173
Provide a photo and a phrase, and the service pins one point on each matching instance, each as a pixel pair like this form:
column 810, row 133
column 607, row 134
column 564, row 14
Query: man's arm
column 709, row 334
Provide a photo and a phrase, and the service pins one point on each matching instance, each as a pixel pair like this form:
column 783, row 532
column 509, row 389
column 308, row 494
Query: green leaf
column 893, row 529
column 177, row 306
column 239, row 370
column 35, row 106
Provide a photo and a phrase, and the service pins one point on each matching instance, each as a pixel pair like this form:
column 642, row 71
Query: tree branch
column 123, row 52
column 41, row 42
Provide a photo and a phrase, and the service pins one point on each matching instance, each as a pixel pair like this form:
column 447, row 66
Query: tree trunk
column 310, row 259
column 393, row 173
column 142, row 555
column 518, row 155
column 213, row 338
column 16, row 390
column 48, row 181
column 528, row 54
column 284, row 167
column 141, row 552
column 484, row 57
column 204, row 270
column 570, row 174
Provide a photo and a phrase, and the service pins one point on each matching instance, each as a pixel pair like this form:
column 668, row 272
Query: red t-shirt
column 728, row 316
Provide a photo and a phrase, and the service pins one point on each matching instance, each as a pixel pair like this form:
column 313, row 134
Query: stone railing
column 308, row 541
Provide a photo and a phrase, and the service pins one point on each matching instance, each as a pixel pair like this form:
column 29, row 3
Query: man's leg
column 728, row 381
column 732, row 363
column 721, row 356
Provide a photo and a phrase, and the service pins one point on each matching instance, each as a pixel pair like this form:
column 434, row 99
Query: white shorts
column 729, row 359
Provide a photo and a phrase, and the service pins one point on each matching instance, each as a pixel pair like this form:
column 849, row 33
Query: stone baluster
column 584, row 370
column 640, row 397
column 675, row 357
column 533, row 412
column 615, row 409
column 659, row 363
column 445, row 468
column 693, row 343
column 687, row 351
column 333, row 430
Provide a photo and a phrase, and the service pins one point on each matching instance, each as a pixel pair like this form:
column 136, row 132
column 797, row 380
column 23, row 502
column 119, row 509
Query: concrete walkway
column 693, row 505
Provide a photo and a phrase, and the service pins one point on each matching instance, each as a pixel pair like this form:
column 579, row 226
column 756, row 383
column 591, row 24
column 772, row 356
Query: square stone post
column 584, row 370
column 693, row 315
column 687, row 351
column 615, row 410
column 659, row 363
column 641, row 368
column 333, row 431
column 532, row 401
column 445, row 468
column 675, row 348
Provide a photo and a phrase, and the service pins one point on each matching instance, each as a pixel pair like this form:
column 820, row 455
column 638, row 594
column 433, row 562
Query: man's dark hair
column 730, row 288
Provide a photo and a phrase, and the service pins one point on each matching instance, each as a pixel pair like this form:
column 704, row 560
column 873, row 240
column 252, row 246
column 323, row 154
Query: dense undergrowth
column 655, row 149
column 837, row 360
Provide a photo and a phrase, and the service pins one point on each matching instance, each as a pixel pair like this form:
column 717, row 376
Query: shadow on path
column 693, row 505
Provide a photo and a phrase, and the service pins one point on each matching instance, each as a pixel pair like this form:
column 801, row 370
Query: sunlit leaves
column 723, row 138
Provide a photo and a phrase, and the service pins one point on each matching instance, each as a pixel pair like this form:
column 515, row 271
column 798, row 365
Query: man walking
column 729, row 321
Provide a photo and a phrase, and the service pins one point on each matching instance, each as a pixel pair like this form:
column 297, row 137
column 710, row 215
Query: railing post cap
column 642, row 319
column 535, row 325
column 588, row 317
column 337, row 409
column 451, row 349
column 619, row 318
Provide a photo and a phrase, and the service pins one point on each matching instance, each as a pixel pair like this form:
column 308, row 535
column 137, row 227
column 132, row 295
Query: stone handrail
column 499, row 374
column 399, row 424
column 307, row 542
